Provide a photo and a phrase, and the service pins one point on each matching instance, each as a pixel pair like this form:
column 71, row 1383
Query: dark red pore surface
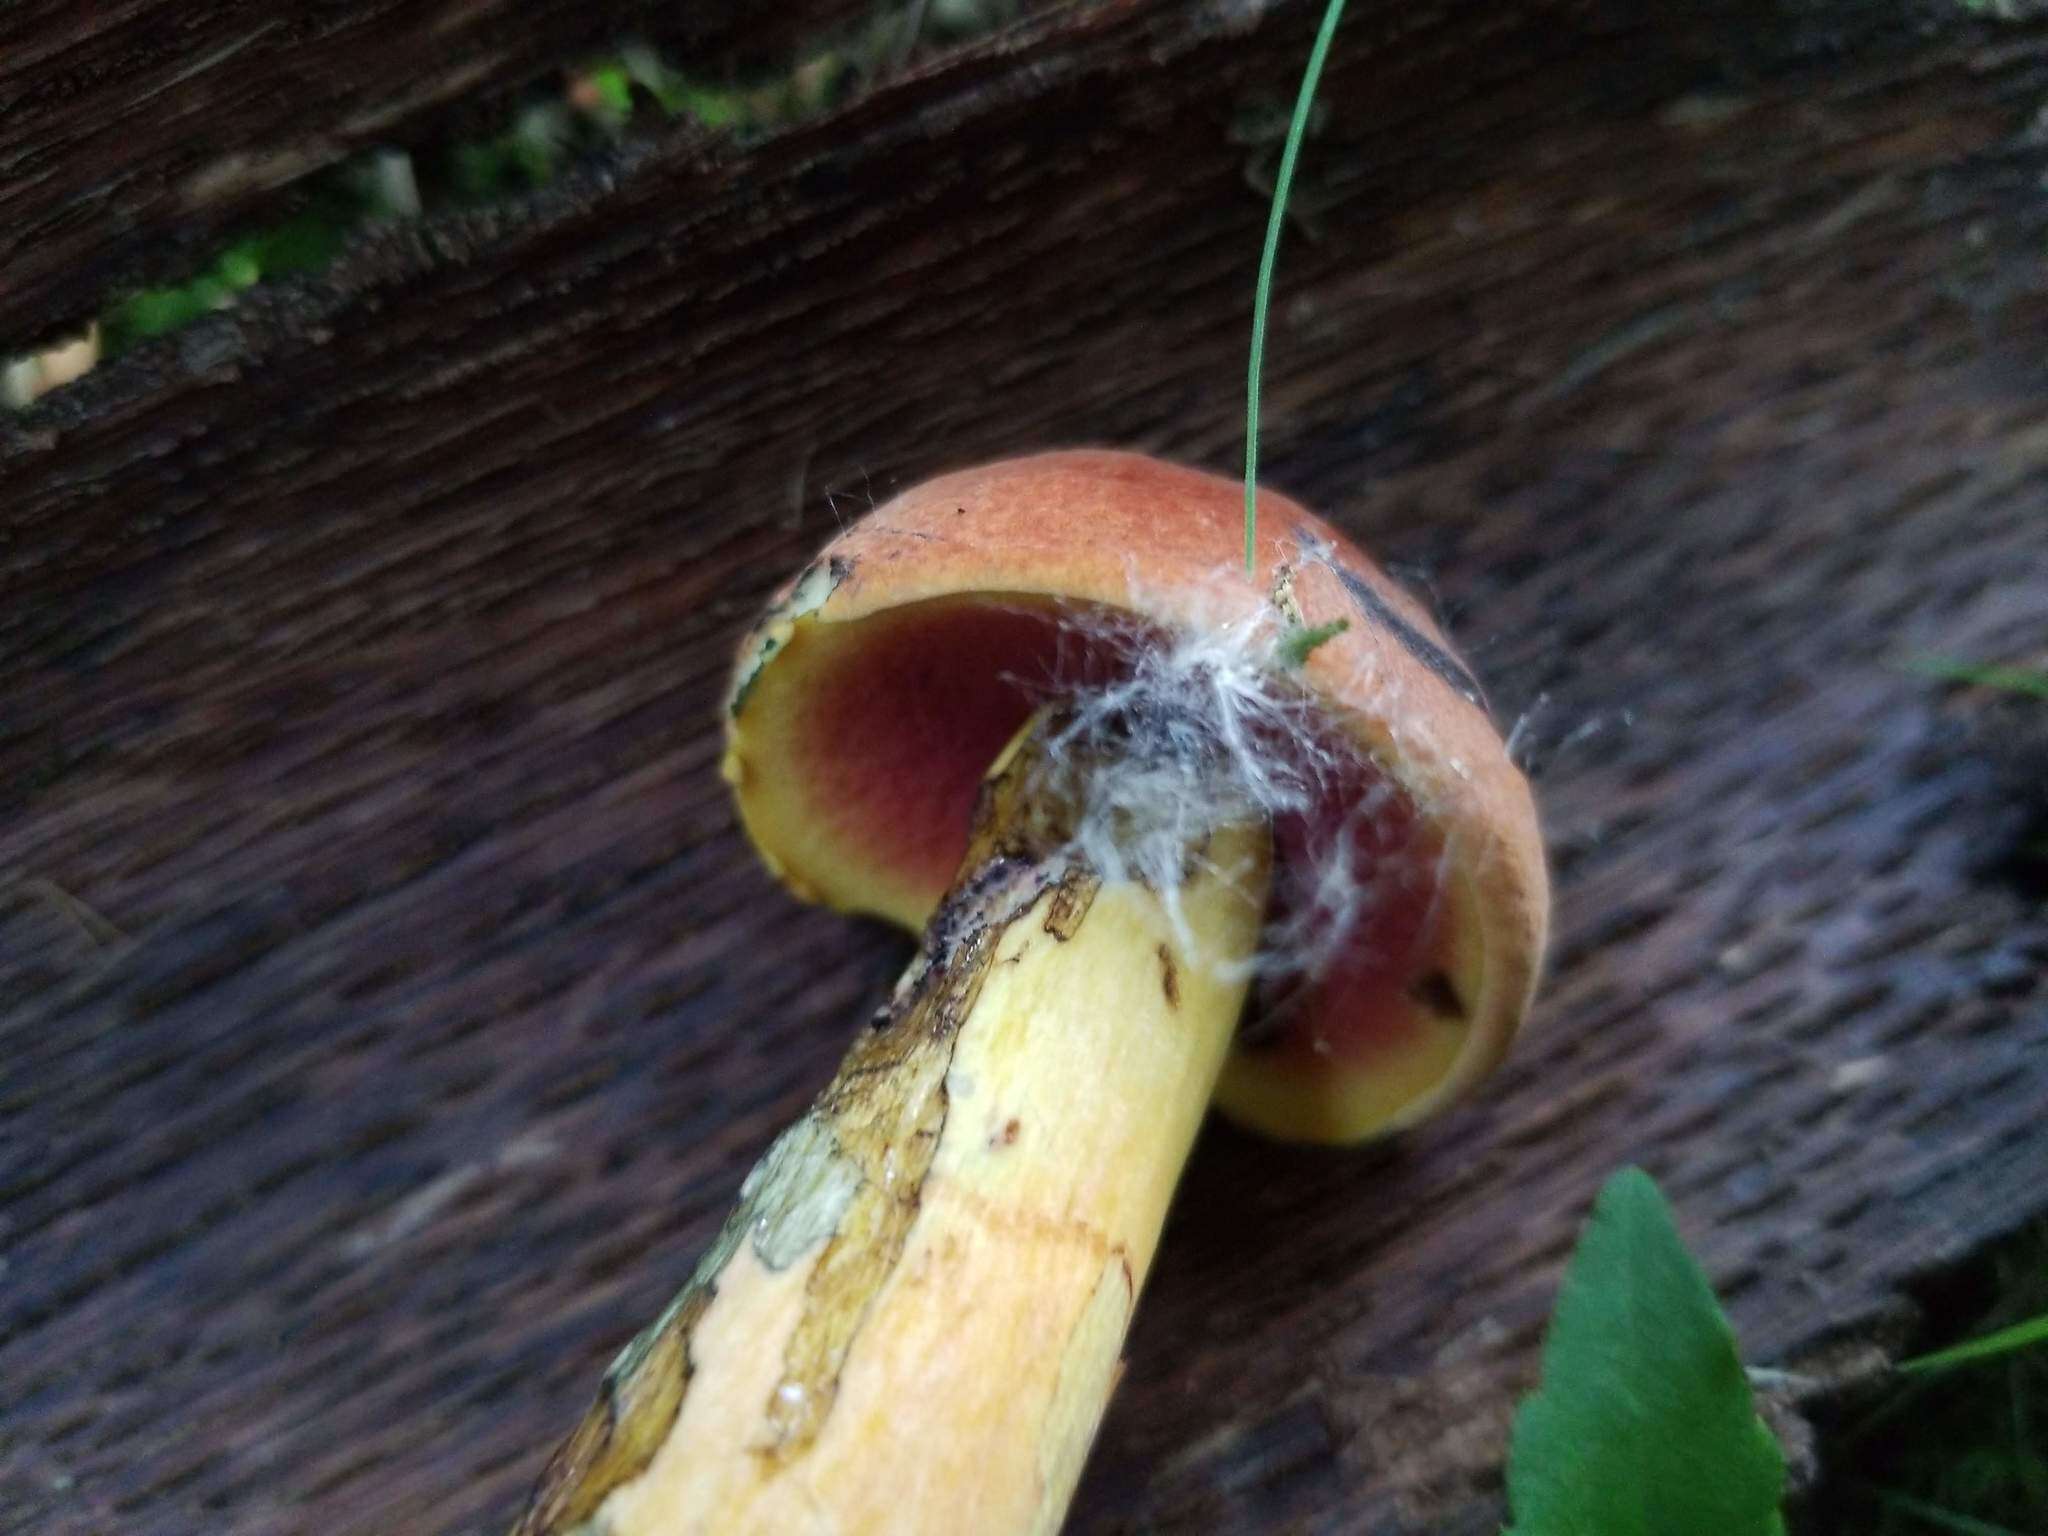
column 913, row 706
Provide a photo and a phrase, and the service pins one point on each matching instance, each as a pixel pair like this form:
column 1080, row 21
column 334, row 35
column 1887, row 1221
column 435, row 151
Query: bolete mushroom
column 1039, row 712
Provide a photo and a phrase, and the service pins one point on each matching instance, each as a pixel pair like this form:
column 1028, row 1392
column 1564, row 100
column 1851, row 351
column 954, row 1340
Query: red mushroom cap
column 885, row 678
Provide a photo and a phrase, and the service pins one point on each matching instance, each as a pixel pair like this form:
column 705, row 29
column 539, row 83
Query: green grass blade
column 2009, row 679
column 2004, row 1342
column 1941, row 1519
column 1262, row 298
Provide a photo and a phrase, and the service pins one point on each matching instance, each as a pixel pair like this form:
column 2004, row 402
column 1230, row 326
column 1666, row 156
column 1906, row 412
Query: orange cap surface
column 884, row 679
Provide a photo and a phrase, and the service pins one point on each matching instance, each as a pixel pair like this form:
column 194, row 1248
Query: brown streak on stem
column 885, row 1117
column 876, row 1127
column 886, row 1110
column 633, row 1414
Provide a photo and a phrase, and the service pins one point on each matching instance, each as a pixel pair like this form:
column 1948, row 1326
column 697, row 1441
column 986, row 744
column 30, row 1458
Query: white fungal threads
column 1181, row 734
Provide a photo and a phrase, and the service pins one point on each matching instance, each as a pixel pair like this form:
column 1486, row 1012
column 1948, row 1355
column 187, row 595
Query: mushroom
column 1035, row 711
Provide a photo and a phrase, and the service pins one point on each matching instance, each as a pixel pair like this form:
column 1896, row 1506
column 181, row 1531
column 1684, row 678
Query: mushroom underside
column 858, row 752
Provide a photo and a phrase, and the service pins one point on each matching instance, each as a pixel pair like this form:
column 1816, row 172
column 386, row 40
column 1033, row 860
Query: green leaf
column 2004, row 1342
column 240, row 267
column 311, row 240
column 708, row 104
column 1644, row 1425
column 614, row 88
column 153, row 312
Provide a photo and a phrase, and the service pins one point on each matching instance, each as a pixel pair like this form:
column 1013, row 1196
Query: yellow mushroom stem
column 912, row 1322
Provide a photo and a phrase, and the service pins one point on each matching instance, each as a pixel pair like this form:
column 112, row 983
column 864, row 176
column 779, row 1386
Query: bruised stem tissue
column 912, row 1321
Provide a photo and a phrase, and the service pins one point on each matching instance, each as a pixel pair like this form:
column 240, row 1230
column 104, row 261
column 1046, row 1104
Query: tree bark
column 360, row 653
column 138, row 134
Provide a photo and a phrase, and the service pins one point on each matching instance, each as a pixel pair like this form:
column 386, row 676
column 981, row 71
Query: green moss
column 605, row 98
column 307, row 241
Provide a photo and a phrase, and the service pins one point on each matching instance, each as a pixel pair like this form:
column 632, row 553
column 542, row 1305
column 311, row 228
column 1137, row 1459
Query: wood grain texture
column 139, row 130
column 360, row 653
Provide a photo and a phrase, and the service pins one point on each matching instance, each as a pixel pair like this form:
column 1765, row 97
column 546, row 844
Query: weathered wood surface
column 137, row 131
column 359, row 655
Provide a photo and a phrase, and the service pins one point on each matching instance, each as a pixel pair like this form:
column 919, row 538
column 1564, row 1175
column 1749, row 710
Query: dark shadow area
column 1931, row 1452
